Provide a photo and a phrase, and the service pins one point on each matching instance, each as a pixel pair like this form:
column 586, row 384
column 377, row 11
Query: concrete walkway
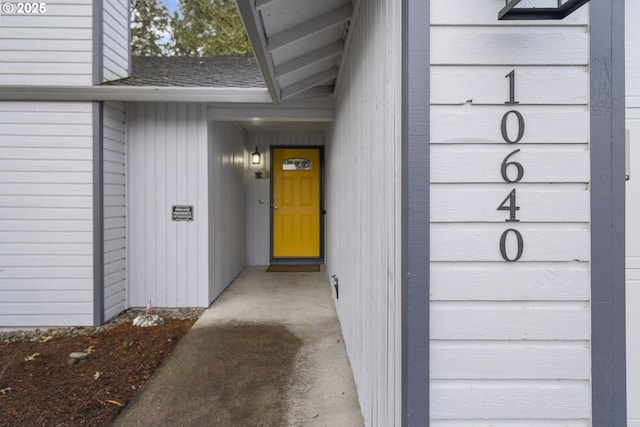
column 321, row 392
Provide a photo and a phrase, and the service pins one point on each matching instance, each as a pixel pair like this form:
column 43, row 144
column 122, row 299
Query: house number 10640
column 509, row 203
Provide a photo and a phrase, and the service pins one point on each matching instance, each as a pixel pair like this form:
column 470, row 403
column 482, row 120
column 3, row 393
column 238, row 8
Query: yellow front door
column 296, row 202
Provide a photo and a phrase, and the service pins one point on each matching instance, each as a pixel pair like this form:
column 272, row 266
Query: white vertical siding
column 51, row 48
column 510, row 341
column 258, row 214
column 114, row 209
column 167, row 165
column 227, row 157
column 632, row 50
column 46, row 214
column 115, row 39
column 364, row 208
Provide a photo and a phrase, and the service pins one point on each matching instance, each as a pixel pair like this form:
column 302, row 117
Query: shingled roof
column 228, row 71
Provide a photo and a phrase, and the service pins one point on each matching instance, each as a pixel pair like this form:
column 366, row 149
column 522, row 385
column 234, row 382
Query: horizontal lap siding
column 167, row 261
column 114, row 209
column 52, row 48
column 363, row 208
column 46, row 214
column 227, row 159
column 116, row 39
column 510, row 341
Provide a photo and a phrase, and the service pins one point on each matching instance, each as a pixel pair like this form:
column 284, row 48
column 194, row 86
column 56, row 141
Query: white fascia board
column 250, row 17
column 135, row 93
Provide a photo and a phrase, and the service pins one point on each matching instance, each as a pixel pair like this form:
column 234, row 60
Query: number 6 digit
column 505, row 164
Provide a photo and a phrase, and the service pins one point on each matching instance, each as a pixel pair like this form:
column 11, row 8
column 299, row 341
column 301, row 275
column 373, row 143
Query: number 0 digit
column 503, row 127
column 503, row 245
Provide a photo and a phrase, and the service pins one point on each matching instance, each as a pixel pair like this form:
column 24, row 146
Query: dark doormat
column 301, row 268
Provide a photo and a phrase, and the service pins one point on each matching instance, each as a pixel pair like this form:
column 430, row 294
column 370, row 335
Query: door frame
column 293, row 260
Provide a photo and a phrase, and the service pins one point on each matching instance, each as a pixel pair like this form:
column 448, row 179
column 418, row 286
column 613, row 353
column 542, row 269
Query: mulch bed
column 38, row 388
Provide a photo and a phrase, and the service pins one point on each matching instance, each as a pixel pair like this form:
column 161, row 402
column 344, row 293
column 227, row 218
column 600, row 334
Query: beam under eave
column 313, row 92
column 135, row 93
column 309, row 59
column 309, row 28
column 308, row 83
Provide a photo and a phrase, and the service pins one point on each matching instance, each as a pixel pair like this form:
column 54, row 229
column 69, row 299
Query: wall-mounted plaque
column 182, row 213
column 296, row 163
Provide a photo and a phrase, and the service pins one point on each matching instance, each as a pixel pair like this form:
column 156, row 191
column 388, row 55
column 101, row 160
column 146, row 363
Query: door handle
column 273, row 204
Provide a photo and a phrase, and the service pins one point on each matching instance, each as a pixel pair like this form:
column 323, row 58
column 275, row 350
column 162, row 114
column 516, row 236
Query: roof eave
column 258, row 41
column 135, row 93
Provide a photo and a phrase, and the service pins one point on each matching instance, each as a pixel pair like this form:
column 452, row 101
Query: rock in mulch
column 78, row 357
column 146, row 320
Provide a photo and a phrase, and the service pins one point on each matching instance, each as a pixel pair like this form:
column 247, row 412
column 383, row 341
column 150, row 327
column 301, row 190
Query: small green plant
column 126, row 343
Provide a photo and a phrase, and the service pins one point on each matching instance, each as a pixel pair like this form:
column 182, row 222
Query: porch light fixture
column 255, row 157
column 561, row 11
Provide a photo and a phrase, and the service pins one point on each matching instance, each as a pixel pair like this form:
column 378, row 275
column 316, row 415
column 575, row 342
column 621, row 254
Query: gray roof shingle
column 228, row 71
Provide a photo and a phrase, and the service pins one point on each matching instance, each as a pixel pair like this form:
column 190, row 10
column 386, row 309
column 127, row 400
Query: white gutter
column 135, row 93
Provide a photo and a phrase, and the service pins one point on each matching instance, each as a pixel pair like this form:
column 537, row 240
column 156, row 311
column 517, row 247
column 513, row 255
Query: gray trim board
column 98, row 42
column 98, row 213
column 415, row 212
column 607, row 214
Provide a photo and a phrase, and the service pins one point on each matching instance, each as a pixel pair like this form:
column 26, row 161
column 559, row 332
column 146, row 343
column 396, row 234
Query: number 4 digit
column 509, row 204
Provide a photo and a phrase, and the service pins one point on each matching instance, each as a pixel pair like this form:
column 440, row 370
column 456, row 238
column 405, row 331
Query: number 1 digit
column 512, row 87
